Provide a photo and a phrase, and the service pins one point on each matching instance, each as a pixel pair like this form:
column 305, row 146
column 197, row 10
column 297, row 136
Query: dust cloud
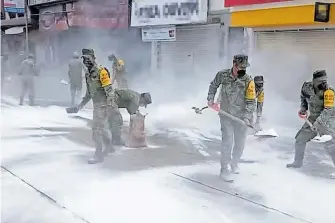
column 172, row 93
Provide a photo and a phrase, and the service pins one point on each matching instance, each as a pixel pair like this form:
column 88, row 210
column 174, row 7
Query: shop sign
column 159, row 34
column 232, row 3
column 168, row 12
column 105, row 15
column 14, row 6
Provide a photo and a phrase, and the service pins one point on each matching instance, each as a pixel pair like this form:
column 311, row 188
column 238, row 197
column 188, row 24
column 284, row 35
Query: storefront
column 196, row 42
column 66, row 27
column 292, row 30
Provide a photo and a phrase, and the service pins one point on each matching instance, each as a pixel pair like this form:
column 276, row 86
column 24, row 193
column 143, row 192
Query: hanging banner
column 101, row 14
column 159, row 34
column 168, row 12
column 16, row 6
column 52, row 18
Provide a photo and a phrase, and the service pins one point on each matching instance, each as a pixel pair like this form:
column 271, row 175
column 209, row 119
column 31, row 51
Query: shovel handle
column 231, row 117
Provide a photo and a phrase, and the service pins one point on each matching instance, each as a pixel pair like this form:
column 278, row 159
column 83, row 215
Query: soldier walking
column 75, row 77
column 99, row 89
column 238, row 99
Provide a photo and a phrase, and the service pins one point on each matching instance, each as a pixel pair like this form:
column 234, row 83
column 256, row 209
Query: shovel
column 271, row 133
column 318, row 138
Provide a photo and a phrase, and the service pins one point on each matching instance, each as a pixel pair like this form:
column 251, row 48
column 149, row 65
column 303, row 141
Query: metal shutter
column 318, row 46
column 195, row 46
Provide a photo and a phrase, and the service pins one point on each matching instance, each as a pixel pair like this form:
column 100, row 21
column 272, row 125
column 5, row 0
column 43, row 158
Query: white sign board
column 159, row 34
column 168, row 12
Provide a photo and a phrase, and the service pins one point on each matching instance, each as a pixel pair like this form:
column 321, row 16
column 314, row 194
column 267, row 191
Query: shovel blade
column 266, row 133
column 322, row 139
column 64, row 82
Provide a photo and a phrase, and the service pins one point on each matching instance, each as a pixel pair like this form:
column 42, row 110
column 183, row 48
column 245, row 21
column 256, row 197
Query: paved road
column 168, row 150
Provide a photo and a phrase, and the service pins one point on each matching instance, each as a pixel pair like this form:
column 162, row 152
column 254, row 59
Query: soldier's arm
column 260, row 102
column 106, row 83
column 85, row 99
column 303, row 97
column 328, row 107
column 69, row 72
column 250, row 101
column 214, row 85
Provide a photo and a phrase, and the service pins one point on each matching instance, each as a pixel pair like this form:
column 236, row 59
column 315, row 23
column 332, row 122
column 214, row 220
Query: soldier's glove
column 210, row 103
column 302, row 113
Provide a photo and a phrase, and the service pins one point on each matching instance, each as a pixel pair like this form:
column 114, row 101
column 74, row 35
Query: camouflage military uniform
column 119, row 72
column 100, row 90
column 75, row 76
column 28, row 71
column 237, row 99
column 320, row 104
column 130, row 100
column 260, row 99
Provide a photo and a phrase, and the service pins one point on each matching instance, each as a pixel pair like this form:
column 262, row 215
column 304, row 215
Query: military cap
column 88, row 52
column 146, row 97
column 319, row 74
column 31, row 56
column 258, row 79
column 76, row 55
column 242, row 60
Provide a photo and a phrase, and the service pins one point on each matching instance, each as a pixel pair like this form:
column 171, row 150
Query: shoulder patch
column 328, row 98
column 104, row 77
column 260, row 98
column 250, row 93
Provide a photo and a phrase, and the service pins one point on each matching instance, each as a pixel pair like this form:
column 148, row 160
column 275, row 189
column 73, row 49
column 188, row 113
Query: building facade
column 291, row 26
column 66, row 26
column 184, row 34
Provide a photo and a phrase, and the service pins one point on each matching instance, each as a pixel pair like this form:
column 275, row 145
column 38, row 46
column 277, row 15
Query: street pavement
column 185, row 169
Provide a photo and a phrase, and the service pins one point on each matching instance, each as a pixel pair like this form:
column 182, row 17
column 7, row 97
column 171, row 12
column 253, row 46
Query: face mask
column 322, row 86
column 87, row 62
column 259, row 86
column 241, row 73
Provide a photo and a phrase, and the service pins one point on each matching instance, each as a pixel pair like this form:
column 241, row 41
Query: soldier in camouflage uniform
column 259, row 82
column 100, row 90
column 317, row 97
column 130, row 100
column 27, row 72
column 75, row 76
column 119, row 72
column 238, row 99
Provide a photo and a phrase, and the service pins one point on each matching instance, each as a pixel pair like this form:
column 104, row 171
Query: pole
column 26, row 25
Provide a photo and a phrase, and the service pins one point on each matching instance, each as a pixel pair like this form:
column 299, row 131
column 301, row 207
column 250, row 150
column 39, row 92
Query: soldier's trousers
column 115, row 121
column 100, row 131
column 233, row 141
column 304, row 135
column 75, row 92
column 27, row 84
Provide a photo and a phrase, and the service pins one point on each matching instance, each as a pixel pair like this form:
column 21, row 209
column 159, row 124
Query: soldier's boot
column 118, row 141
column 298, row 157
column 98, row 157
column 234, row 168
column 332, row 155
column 108, row 147
column 21, row 101
column 225, row 174
column 31, row 100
